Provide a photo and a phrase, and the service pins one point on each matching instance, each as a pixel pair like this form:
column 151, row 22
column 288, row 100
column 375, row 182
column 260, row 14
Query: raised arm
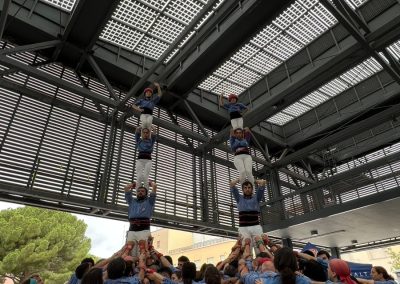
column 260, row 188
column 221, row 100
column 135, row 107
column 128, row 195
column 153, row 187
column 159, row 92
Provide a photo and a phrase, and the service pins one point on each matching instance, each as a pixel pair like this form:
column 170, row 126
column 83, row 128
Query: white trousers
column 244, row 164
column 146, row 120
column 237, row 123
column 143, row 168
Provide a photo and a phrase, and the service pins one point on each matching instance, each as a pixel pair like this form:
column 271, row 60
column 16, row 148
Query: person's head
column 339, row 271
column 33, row 279
column 88, row 260
column 181, row 260
column 232, row 98
column 165, row 271
column 267, row 266
column 212, row 275
column 313, row 270
column 169, row 258
column 188, row 270
column 116, row 268
column 323, row 254
column 82, row 269
column 238, row 133
column 247, row 188
column 176, row 276
column 378, row 273
column 93, row 276
column 148, row 93
column 230, row 270
column 146, row 133
column 285, row 263
column 141, row 193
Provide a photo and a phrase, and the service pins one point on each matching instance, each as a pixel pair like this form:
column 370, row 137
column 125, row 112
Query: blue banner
column 360, row 270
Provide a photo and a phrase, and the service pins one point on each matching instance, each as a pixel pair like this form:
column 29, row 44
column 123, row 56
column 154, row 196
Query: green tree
column 394, row 258
column 40, row 240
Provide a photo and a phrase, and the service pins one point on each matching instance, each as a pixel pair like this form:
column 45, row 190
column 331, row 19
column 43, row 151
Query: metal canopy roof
column 321, row 79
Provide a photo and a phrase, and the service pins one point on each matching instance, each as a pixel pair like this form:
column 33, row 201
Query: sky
column 107, row 236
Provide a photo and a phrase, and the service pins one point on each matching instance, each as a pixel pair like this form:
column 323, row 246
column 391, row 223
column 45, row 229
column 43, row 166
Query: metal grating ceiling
column 149, row 27
column 66, row 5
column 293, row 29
column 297, row 26
column 348, row 79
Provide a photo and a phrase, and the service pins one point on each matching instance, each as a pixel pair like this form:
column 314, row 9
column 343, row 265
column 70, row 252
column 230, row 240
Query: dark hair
column 93, row 276
column 128, row 268
column 178, row 274
column 169, row 258
column 286, row 263
column 263, row 254
column 230, row 270
column 310, row 253
column 212, row 275
column 247, row 183
column 188, row 272
column 27, row 281
column 324, row 252
column 116, row 268
column 82, row 269
column 383, row 271
column 183, row 259
column 89, row 260
column 165, row 270
column 313, row 270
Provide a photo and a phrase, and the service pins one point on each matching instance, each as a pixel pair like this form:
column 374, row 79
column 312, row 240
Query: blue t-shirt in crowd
column 275, row 278
column 124, row 280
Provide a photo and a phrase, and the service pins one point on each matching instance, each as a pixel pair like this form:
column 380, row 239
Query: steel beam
column 194, row 117
column 31, row 71
column 135, row 89
column 310, row 77
column 222, row 39
column 351, row 130
column 3, row 17
column 355, row 32
column 30, row 47
column 369, row 99
column 343, row 176
column 334, row 209
column 102, row 78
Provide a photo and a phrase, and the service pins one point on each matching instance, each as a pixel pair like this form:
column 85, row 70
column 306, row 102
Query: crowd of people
column 254, row 259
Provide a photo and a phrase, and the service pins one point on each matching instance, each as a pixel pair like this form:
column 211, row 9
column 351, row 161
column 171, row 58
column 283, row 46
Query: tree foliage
column 394, row 258
column 39, row 240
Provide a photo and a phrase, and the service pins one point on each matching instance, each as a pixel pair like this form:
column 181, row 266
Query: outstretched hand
column 261, row 182
column 234, row 182
column 128, row 187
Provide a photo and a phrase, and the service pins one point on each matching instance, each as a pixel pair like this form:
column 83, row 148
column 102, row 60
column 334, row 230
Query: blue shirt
column 234, row 107
column 150, row 104
column 240, row 143
column 125, row 280
column 140, row 208
column 275, row 278
column 248, row 204
column 73, row 279
column 251, row 277
column 145, row 145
